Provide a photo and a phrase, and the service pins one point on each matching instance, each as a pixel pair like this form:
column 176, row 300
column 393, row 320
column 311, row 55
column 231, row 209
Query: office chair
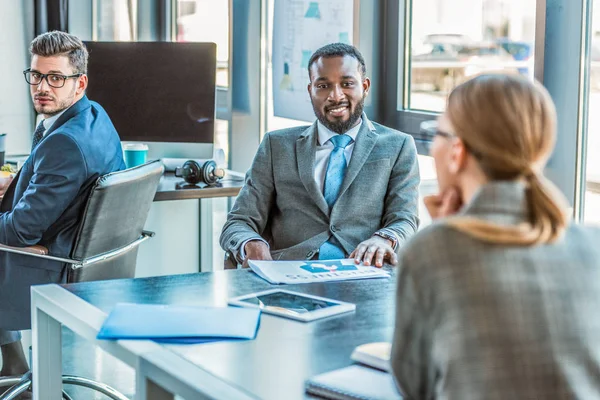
column 119, row 199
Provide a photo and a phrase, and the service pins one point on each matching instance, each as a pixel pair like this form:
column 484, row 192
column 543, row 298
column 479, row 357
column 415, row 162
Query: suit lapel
column 82, row 104
column 306, row 146
column 365, row 141
column 75, row 109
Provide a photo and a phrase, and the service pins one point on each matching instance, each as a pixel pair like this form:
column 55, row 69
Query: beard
column 340, row 126
column 58, row 106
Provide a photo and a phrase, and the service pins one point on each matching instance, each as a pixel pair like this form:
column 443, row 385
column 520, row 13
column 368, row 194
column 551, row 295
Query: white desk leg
column 47, row 355
column 162, row 374
column 145, row 388
column 206, row 235
column 148, row 390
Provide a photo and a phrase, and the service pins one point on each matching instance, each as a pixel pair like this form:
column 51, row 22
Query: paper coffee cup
column 135, row 154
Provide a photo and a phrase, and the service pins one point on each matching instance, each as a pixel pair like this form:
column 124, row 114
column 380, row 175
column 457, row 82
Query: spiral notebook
column 354, row 383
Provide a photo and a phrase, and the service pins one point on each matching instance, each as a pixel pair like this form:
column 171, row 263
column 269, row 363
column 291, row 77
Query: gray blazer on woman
column 281, row 202
column 483, row 321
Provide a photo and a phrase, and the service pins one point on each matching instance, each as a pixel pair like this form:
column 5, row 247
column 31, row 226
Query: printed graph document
column 305, row 271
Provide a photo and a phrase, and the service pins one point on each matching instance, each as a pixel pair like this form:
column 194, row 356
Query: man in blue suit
column 74, row 145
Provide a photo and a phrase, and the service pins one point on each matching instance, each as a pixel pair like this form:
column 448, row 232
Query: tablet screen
column 289, row 301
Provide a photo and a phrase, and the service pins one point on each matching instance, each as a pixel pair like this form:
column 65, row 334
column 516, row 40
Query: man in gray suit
column 344, row 186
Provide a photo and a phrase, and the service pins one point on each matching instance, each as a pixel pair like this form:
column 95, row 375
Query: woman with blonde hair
column 499, row 297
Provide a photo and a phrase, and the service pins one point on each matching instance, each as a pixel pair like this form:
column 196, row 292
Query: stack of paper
column 313, row 271
column 180, row 324
column 376, row 355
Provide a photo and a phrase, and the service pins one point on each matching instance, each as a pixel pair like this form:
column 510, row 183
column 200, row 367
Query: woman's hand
column 444, row 204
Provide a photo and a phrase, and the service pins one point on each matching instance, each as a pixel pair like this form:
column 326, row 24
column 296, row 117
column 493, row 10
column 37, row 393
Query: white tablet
column 298, row 306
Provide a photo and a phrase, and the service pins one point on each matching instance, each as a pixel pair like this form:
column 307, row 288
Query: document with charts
column 308, row 271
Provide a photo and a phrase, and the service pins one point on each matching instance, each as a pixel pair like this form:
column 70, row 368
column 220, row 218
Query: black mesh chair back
column 112, row 221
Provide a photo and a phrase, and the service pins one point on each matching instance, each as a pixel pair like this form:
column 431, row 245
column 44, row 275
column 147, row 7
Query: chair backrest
column 114, row 216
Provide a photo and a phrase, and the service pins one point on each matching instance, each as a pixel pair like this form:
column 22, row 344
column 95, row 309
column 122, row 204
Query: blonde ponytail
column 508, row 123
column 547, row 218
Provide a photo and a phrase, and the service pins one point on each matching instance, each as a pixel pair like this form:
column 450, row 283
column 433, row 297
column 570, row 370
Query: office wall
column 16, row 112
column 174, row 249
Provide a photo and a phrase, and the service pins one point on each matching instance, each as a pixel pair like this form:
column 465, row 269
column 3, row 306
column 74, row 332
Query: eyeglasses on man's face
column 53, row 80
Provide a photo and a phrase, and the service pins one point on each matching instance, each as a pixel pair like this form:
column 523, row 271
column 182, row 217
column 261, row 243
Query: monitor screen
column 155, row 91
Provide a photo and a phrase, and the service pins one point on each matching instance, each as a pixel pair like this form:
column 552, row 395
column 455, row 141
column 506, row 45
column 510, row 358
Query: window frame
column 397, row 114
column 562, row 28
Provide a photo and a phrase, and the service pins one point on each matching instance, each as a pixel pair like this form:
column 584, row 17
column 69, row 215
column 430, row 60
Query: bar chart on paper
column 305, row 271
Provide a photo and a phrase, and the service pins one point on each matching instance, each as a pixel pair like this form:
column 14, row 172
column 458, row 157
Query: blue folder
column 180, row 324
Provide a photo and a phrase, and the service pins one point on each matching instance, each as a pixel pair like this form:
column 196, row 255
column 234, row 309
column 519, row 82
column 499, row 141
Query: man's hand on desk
column 256, row 250
column 374, row 251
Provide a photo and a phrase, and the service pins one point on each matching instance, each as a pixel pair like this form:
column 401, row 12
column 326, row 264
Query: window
column 273, row 122
column 206, row 21
column 592, row 181
column 451, row 41
column 116, row 20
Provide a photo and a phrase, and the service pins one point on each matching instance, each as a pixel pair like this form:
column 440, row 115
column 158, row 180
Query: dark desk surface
column 229, row 187
column 285, row 352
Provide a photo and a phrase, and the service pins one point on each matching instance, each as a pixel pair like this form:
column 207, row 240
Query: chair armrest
column 35, row 251
column 116, row 252
column 42, row 252
column 39, row 250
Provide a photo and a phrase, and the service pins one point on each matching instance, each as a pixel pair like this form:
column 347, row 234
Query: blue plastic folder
column 180, row 324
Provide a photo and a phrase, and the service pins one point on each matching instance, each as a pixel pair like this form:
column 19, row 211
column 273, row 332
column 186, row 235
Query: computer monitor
column 158, row 93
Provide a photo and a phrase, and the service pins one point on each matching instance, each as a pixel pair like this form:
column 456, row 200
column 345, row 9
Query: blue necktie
column 38, row 135
column 336, row 170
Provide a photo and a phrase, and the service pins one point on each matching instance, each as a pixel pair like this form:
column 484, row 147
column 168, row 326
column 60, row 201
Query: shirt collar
column 49, row 121
column 325, row 134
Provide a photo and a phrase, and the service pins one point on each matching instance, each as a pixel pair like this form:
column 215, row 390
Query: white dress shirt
column 48, row 122
column 324, row 149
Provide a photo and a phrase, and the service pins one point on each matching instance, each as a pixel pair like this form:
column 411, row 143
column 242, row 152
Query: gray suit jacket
column 281, row 202
column 482, row 321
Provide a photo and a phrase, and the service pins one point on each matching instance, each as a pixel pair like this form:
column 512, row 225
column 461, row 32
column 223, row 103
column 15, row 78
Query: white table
column 275, row 365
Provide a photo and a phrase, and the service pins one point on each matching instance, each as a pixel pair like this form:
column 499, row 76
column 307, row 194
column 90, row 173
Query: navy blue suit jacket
column 43, row 205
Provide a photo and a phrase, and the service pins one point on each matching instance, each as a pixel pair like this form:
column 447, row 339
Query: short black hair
column 338, row 50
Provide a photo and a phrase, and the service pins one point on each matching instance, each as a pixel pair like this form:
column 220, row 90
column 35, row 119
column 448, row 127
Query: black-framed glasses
column 443, row 134
column 53, row 80
column 430, row 129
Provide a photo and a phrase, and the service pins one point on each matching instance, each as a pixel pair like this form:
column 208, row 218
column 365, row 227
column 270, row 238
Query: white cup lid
column 135, row 146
